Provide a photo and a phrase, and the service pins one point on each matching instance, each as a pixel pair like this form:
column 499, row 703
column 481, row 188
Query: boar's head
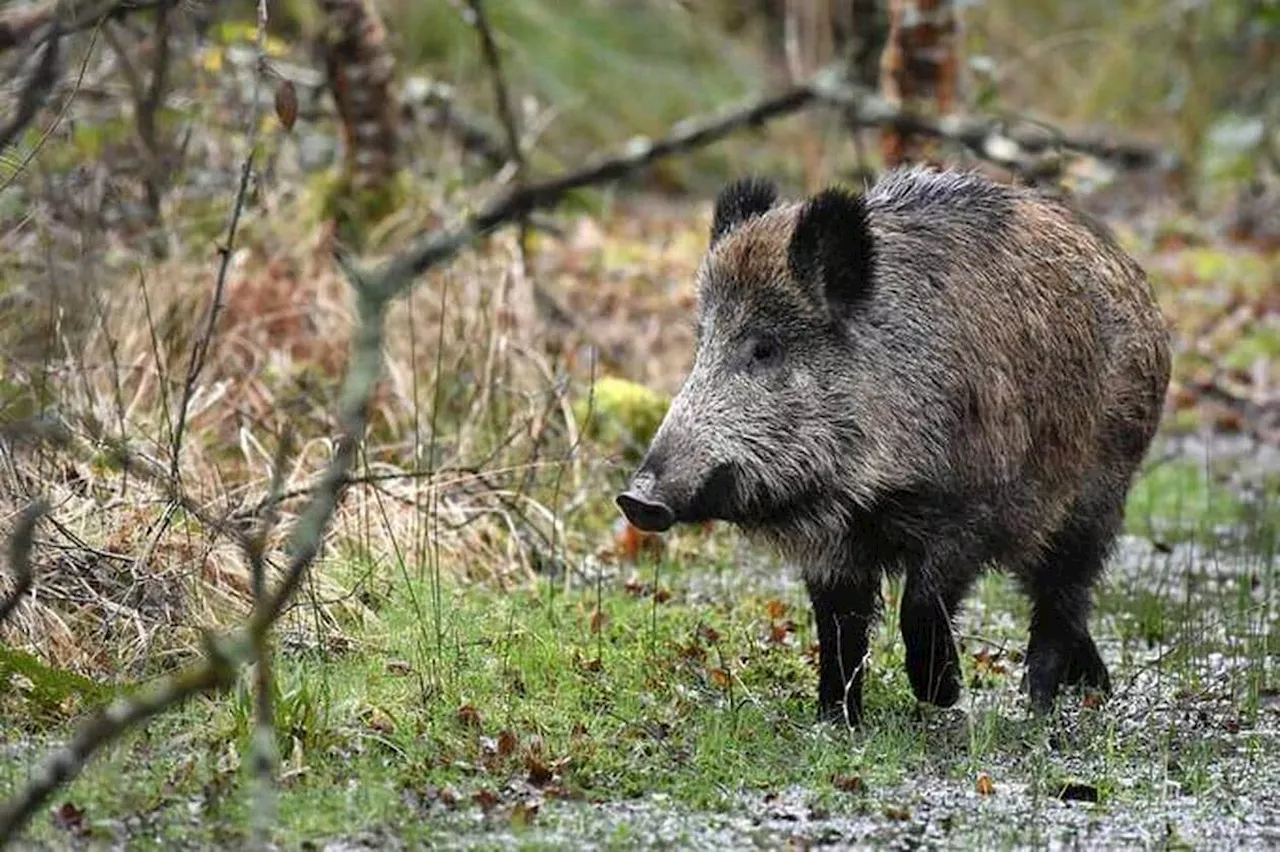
column 768, row 416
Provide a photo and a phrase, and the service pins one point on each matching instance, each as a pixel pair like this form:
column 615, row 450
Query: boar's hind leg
column 1061, row 652
column 929, row 602
column 844, row 607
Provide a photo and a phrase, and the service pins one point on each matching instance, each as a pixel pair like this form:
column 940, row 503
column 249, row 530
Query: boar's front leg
column 930, row 598
column 844, row 607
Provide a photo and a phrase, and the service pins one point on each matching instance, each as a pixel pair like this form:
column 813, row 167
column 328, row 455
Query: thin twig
column 489, row 48
column 201, row 348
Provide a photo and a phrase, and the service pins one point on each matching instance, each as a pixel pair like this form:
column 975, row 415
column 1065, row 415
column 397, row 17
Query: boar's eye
column 765, row 350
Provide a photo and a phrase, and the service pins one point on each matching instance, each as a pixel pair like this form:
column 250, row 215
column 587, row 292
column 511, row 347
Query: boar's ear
column 739, row 201
column 831, row 247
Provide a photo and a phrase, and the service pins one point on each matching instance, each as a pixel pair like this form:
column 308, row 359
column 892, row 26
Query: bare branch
column 37, row 88
column 147, row 108
column 445, row 113
column 400, row 272
column 217, row 671
column 225, row 655
column 489, row 48
column 1023, row 149
column 18, row 24
column 20, row 557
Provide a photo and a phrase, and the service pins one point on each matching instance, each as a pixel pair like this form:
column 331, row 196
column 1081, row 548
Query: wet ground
column 1185, row 754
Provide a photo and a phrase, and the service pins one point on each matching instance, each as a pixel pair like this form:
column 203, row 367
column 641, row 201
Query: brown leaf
column 507, row 742
column 662, row 595
column 985, row 785
column 849, row 783
column 287, row 104
column 719, row 677
column 376, row 719
column 897, row 813
column 468, row 716
column 693, row 651
column 485, row 798
column 539, row 773
column 775, row 609
column 598, row 620
column 68, row 817
column 708, row 634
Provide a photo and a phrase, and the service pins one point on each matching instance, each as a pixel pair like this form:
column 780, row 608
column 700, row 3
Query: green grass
column 461, row 711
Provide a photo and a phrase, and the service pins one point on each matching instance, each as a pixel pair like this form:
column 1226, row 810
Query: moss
column 354, row 213
column 46, row 690
column 621, row 413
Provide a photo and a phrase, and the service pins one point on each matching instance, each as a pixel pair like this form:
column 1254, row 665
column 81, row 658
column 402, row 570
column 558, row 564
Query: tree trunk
column 919, row 70
column 361, row 72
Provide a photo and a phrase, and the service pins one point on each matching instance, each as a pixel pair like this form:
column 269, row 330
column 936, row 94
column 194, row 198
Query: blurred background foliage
column 1197, row 75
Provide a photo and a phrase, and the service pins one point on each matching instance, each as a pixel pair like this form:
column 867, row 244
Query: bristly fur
column 739, row 201
column 943, row 374
column 832, row 249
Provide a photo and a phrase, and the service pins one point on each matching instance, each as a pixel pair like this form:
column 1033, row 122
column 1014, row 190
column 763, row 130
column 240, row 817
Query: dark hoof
column 937, row 684
column 1086, row 669
column 1050, row 668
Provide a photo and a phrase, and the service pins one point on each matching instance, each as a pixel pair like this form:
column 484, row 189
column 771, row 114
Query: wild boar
column 939, row 375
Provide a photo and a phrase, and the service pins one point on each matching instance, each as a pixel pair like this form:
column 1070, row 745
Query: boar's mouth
column 651, row 504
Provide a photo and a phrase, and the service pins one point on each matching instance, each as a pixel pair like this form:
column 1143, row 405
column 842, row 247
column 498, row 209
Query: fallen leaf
column 896, row 813
column 775, row 609
column 68, row 817
column 468, row 716
column 540, row 774
column 985, row 785
column 377, row 719
column 507, row 742
column 485, row 798
column 598, row 620
column 849, row 783
column 719, row 677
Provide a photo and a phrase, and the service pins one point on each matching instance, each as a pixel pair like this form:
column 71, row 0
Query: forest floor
column 619, row 700
column 483, row 657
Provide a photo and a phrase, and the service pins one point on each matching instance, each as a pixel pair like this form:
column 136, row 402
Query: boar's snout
column 646, row 512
